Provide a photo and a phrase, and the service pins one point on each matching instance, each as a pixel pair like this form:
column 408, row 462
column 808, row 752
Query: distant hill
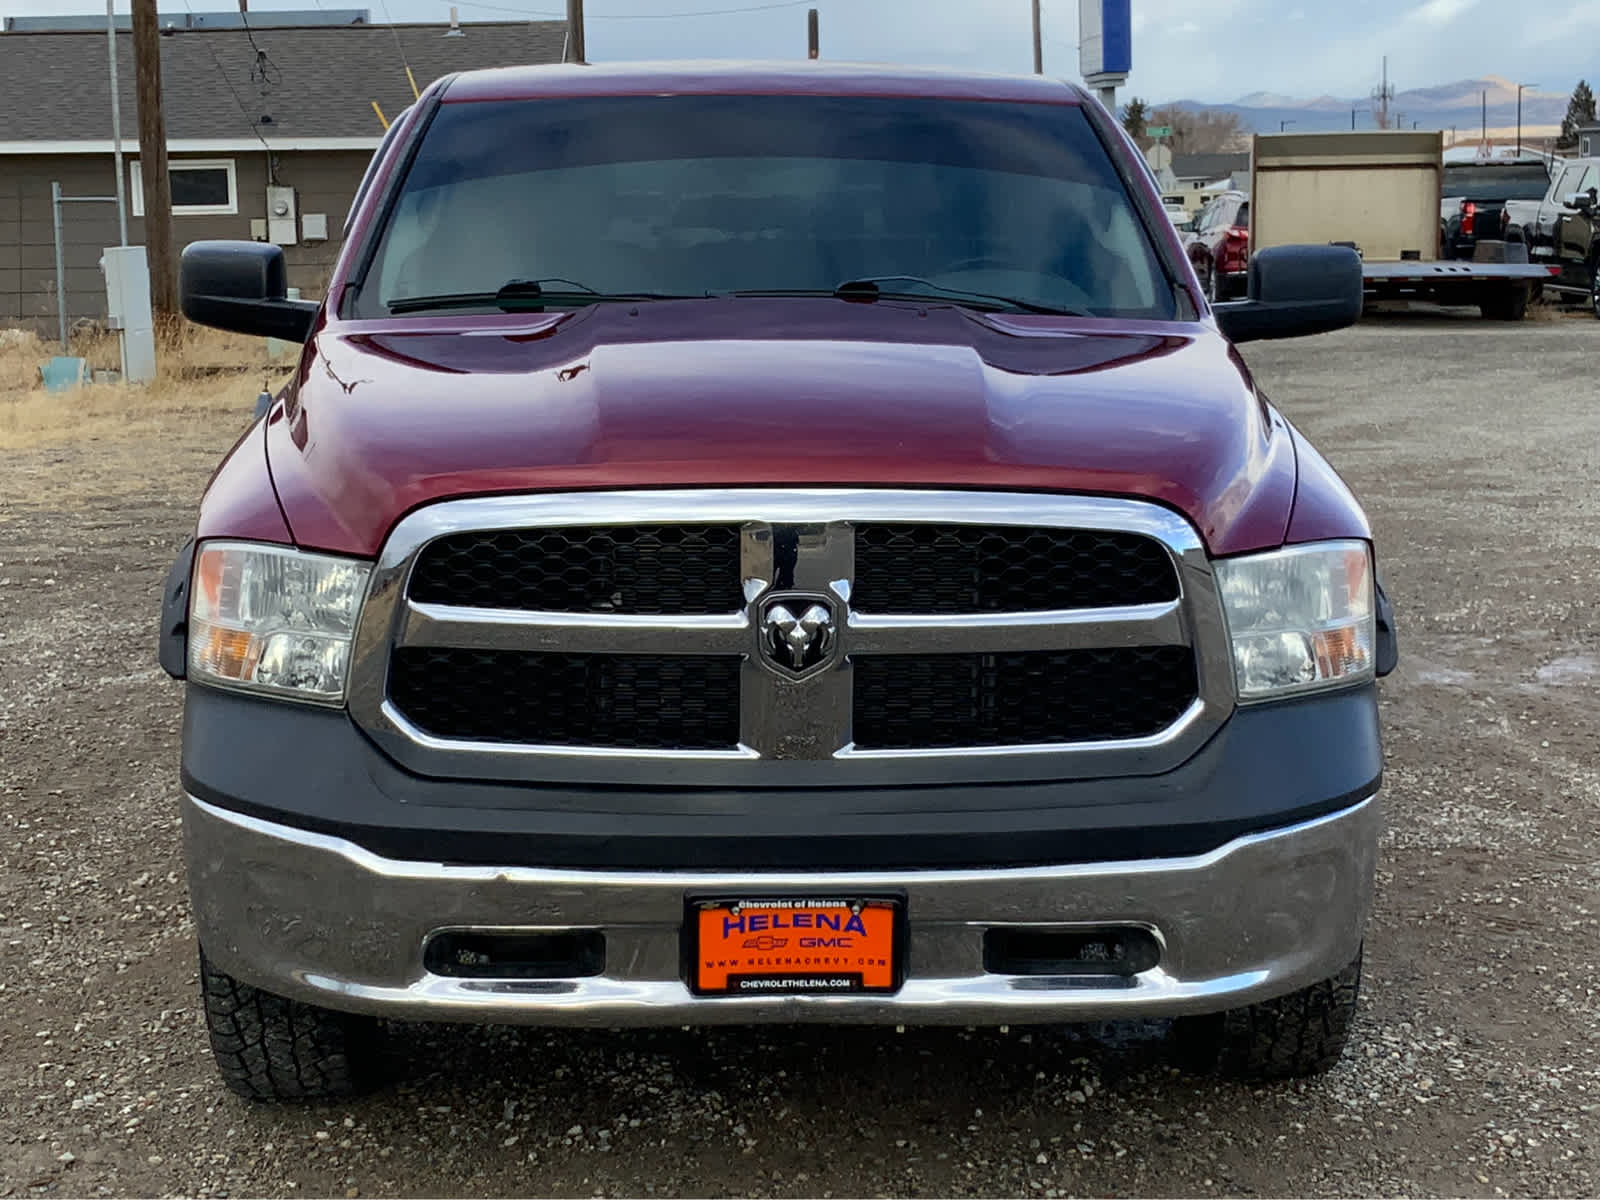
column 1458, row 105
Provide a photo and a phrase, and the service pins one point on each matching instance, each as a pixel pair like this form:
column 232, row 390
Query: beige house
column 269, row 131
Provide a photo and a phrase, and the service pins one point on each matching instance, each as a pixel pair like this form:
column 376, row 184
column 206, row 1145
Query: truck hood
column 383, row 417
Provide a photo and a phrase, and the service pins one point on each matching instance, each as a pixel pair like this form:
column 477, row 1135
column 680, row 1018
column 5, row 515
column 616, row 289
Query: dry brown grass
column 203, row 376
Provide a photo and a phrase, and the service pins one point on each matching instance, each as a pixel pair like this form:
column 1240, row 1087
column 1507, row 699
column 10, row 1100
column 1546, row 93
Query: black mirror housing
column 1296, row 291
column 242, row 287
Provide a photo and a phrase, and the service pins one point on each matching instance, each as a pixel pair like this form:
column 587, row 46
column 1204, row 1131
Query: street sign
column 1158, row 131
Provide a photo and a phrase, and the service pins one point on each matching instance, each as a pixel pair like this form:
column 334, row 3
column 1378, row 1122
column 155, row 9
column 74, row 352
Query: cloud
column 1442, row 12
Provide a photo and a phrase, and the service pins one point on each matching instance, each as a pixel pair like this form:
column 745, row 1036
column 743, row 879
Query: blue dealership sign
column 1105, row 41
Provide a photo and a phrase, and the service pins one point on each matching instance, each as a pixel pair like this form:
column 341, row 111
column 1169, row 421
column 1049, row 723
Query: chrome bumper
column 321, row 919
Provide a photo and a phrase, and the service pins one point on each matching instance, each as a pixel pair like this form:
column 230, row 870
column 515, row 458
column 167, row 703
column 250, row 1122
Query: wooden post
column 813, row 47
column 1038, row 43
column 575, row 31
column 153, row 162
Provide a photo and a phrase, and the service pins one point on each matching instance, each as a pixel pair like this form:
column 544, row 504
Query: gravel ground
column 1475, row 1068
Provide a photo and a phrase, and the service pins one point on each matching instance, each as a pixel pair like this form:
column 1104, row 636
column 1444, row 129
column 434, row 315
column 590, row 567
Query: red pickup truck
column 770, row 544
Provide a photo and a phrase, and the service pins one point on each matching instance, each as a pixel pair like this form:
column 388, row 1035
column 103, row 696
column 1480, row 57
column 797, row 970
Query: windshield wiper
column 523, row 293
column 922, row 289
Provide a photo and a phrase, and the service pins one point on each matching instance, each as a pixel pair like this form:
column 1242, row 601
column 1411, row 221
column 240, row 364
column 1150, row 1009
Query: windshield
column 697, row 195
column 1484, row 181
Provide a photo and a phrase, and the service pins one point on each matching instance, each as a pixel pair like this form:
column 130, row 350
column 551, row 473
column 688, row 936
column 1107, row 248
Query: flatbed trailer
column 1380, row 192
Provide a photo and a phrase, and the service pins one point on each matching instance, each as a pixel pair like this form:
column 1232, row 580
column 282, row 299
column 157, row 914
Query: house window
column 1584, row 153
column 200, row 186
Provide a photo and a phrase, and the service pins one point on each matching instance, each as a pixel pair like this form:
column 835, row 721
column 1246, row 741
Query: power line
column 410, row 78
column 712, row 12
column 272, row 162
column 263, row 68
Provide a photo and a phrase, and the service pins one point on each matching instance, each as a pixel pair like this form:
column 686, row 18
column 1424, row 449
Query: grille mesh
column 948, row 700
column 656, row 569
column 608, row 700
column 945, row 569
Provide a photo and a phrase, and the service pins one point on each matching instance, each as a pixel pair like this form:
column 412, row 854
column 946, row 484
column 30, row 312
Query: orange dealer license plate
column 775, row 946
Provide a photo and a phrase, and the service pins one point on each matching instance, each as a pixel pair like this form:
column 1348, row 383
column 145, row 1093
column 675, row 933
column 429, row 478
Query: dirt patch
column 1476, row 1064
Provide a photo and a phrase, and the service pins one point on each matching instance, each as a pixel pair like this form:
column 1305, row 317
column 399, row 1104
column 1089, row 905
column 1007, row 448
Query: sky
column 1209, row 50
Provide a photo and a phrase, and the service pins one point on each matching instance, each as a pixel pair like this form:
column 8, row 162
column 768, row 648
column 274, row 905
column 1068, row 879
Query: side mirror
column 242, row 287
column 1583, row 201
column 1296, row 291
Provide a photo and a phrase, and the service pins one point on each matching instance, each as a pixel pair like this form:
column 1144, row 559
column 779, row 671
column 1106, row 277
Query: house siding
column 324, row 182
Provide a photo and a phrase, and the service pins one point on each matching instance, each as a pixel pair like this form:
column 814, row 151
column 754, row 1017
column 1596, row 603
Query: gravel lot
column 1476, row 1065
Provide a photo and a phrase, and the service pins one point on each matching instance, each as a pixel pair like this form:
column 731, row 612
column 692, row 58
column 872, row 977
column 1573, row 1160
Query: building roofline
column 130, row 146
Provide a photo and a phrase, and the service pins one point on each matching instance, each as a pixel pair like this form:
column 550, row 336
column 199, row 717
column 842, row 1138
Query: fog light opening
column 478, row 954
column 1116, row 950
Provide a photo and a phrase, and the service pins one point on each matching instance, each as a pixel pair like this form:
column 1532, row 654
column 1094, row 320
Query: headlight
column 1300, row 618
column 272, row 619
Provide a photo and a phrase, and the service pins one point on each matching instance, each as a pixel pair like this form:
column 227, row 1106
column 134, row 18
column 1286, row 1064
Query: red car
column 1219, row 249
column 769, row 544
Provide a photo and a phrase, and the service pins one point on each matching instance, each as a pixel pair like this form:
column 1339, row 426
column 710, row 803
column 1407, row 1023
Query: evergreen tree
column 1580, row 111
column 1135, row 119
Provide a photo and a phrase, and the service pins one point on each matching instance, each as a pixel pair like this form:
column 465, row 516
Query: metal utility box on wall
column 127, row 275
column 282, row 221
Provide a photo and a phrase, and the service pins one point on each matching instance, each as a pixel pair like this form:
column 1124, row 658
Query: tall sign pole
column 813, row 42
column 1038, row 41
column 153, row 160
column 116, row 126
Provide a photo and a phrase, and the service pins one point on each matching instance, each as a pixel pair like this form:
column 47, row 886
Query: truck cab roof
column 752, row 78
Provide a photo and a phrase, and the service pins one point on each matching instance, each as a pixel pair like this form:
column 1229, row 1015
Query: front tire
column 268, row 1047
column 1594, row 287
column 1300, row 1034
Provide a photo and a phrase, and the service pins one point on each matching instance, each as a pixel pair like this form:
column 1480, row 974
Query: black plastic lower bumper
column 312, row 768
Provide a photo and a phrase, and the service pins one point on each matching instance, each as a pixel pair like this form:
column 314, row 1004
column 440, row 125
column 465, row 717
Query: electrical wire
column 412, row 79
column 668, row 16
column 272, row 159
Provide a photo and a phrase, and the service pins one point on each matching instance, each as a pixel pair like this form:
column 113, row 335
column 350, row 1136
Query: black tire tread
column 1303, row 1033
column 1512, row 305
column 268, row 1047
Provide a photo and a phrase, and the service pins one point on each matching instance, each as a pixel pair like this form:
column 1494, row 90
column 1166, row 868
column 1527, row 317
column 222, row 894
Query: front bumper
column 314, row 916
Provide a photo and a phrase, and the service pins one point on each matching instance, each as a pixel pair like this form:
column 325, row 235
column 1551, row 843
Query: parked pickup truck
column 1562, row 230
column 770, row 544
column 1475, row 198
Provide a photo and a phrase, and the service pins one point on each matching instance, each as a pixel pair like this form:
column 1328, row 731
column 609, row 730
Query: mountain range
column 1452, row 105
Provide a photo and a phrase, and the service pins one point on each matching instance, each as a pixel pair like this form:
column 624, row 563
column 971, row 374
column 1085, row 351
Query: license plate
column 766, row 946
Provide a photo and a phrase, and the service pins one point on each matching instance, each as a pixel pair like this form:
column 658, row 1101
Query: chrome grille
column 640, row 701
column 948, row 568
column 1063, row 637
column 623, row 569
column 949, row 700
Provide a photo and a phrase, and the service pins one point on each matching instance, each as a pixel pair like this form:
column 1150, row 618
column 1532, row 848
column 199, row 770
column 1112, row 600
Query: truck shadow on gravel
column 680, row 1075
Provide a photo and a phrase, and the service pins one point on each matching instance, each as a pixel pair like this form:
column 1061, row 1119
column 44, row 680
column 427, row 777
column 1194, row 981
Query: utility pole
column 575, row 31
column 1382, row 97
column 1038, row 41
column 153, row 161
column 813, row 45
